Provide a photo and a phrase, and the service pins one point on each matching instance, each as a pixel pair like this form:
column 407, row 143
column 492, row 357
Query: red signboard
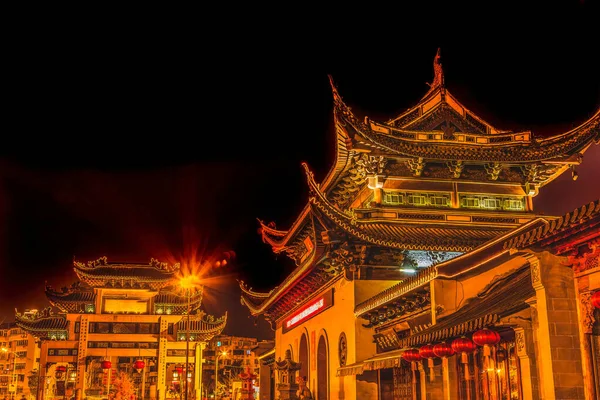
column 312, row 308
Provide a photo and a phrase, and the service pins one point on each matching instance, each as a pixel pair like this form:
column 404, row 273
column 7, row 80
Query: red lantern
column 411, row 355
column 106, row 364
column 463, row 345
column 179, row 370
column 486, row 337
column 443, row 350
column 139, row 365
column 61, row 368
column 426, row 351
column 596, row 299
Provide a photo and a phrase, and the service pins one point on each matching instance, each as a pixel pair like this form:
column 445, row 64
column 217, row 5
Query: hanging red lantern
column 179, row 370
column 106, row 364
column 426, row 351
column 596, row 299
column 139, row 365
column 443, row 350
column 60, row 371
column 486, row 337
column 463, row 345
column 411, row 355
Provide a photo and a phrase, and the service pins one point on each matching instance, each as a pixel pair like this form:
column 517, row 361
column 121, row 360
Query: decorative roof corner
column 438, row 74
column 44, row 324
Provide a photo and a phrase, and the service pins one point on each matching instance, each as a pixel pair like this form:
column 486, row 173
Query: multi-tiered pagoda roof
column 453, row 182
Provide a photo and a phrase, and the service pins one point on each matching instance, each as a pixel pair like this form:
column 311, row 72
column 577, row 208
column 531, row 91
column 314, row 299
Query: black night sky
column 140, row 145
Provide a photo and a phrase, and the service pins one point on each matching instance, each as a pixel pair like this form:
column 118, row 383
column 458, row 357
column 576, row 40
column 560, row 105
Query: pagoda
column 409, row 241
column 121, row 317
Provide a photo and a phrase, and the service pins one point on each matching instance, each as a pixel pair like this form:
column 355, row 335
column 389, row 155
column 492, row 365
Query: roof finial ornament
column 438, row 73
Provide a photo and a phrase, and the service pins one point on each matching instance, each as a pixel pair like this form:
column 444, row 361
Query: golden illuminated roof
column 101, row 273
column 71, row 299
column 202, row 327
column 44, row 324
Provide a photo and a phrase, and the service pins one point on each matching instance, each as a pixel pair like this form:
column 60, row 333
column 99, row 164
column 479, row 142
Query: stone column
column 558, row 342
column 525, row 350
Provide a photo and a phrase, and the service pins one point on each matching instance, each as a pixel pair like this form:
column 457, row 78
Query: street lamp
column 187, row 283
column 12, row 378
column 223, row 354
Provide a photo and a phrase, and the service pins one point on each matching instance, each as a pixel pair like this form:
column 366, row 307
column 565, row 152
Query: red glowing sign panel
column 312, row 308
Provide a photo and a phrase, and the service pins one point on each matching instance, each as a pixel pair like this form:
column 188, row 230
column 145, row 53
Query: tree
column 33, row 380
column 123, row 387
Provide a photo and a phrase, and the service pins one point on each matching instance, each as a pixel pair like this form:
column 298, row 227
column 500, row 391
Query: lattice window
column 438, row 201
column 513, row 205
column 417, row 200
column 491, row 203
column 394, row 198
column 123, row 328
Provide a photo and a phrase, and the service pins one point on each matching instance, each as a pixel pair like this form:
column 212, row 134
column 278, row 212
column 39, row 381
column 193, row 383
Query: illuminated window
column 219, row 344
column 470, row 202
column 513, row 205
column 491, row 203
column 394, row 198
column 417, row 200
column 438, row 201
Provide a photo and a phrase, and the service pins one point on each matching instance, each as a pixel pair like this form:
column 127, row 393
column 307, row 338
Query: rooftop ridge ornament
column 438, row 74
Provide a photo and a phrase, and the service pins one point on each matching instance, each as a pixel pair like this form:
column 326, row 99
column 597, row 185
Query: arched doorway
column 303, row 356
column 322, row 370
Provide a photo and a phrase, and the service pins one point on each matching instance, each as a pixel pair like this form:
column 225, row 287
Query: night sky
column 171, row 146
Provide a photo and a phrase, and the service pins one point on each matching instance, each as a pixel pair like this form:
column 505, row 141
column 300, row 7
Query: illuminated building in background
column 236, row 355
column 121, row 317
column 19, row 359
column 443, row 280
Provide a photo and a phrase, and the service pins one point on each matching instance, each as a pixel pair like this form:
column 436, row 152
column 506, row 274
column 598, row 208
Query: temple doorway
column 303, row 357
column 322, row 371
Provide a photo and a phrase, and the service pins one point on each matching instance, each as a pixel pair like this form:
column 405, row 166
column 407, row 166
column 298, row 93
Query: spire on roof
column 438, row 73
column 336, row 96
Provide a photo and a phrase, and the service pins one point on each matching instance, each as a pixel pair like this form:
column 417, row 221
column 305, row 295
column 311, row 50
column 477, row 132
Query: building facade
column 235, row 355
column 122, row 322
column 423, row 270
column 19, row 363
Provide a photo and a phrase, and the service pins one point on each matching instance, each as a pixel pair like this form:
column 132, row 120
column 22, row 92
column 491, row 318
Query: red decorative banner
column 314, row 307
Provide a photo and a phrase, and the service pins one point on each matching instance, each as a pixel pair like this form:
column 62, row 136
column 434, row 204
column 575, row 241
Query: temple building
column 423, row 270
column 122, row 319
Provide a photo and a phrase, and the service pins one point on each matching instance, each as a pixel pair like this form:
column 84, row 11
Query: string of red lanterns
column 486, row 337
column 443, row 350
column 463, row 345
column 411, row 355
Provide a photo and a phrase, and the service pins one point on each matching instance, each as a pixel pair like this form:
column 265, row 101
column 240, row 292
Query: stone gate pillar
column 555, row 322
